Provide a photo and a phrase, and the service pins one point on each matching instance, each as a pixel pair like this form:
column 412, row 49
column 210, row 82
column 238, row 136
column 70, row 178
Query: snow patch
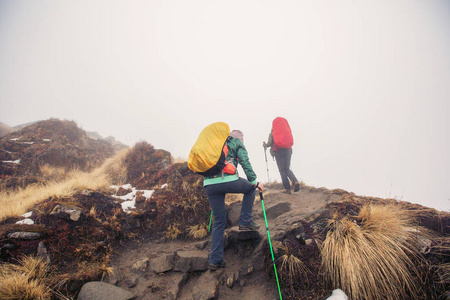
column 14, row 139
column 46, row 140
column 12, row 161
column 164, row 185
column 25, row 221
column 129, row 200
column 338, row 295
column 27, row 214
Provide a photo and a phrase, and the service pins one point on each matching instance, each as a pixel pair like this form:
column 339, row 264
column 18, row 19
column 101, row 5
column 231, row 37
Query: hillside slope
column 54, row 143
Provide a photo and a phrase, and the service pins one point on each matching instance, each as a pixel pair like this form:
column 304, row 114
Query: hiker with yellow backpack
column 216, row 155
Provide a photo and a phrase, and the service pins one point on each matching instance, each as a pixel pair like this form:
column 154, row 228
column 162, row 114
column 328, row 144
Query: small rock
column 247, row 269
column 201, row 245
column 230, row 282
column 140, row 266
column 207, row 287
column 62, row 211
column 188, row 261
column 103, row 291
column 242, row 283
column 111, row 278
column 161, row 264
column 242, row 235
column 178, row 280
column 232, row 279
column 131, row 281
column 308, row 242
column 42, row 252
column 21, row 235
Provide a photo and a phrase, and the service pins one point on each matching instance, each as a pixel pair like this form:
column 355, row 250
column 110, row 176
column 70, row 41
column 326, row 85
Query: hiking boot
column 251, row 227
column 296, row 186
column 213, row 267
column 286, row 191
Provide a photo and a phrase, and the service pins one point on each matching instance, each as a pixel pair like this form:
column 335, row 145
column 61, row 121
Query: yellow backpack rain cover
column 207, row 150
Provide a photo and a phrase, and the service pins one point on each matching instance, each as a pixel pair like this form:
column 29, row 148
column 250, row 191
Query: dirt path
column 282, row 211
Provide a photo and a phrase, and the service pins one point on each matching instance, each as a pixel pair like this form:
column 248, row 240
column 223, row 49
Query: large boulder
column 189, row 261
column 96, row 290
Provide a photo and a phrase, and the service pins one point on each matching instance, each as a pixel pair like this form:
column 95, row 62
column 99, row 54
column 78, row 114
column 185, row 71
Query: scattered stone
column 42, row 252
column 232, row 279
column 242, row 235
column 207, row 287
column 112, row 278
column 201, row 245
column 178, row 279
column 246, row 269
column 21, row 235
column 241, row 282
column 131, row 281
column 308, row 242
column 161, row 264
column 188, row 261
column 62, row 211
column 103, row 291
column 140, row 267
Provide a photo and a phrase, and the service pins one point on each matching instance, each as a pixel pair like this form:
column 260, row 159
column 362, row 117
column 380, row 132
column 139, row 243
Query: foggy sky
column 365, row 85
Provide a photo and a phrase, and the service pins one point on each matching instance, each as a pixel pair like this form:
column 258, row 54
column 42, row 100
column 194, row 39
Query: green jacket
column 237, row 154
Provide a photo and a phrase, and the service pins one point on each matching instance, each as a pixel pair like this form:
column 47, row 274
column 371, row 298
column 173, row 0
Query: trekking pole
column 270, row 244
column 210, row 219
column 267, row 165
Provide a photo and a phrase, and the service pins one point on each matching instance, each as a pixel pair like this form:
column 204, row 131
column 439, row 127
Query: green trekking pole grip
column 210, row 219
column 270, row 244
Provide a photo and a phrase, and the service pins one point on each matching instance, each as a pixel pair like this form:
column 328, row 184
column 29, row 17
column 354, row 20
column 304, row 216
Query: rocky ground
column 156, row 269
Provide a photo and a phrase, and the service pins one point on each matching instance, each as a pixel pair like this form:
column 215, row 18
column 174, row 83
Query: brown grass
column 291, row 268
column 198, row 231
column 27, row 280
column 372, row 256
column 62, row 185
column 173, row 231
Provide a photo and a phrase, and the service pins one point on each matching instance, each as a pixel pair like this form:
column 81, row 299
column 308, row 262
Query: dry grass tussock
column 26, row 280
column 373, row 255
column 292, row 268
column 198, row 231
column 18, row 202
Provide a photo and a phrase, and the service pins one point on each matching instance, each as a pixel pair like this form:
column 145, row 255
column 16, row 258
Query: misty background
column 365, row 85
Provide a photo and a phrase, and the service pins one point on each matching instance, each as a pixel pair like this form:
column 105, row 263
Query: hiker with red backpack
column 280, row 142
column 216, row 155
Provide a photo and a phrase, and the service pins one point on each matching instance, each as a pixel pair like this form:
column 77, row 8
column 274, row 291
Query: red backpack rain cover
column 282, row 134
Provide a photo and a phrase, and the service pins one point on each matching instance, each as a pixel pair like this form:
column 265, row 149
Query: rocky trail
column 158, row 269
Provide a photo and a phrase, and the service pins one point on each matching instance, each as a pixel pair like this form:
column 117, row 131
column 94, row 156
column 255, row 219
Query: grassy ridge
column 62, row 184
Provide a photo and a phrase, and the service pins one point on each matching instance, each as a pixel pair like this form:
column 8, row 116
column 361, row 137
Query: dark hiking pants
column 283, row 158
column 216, row 197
